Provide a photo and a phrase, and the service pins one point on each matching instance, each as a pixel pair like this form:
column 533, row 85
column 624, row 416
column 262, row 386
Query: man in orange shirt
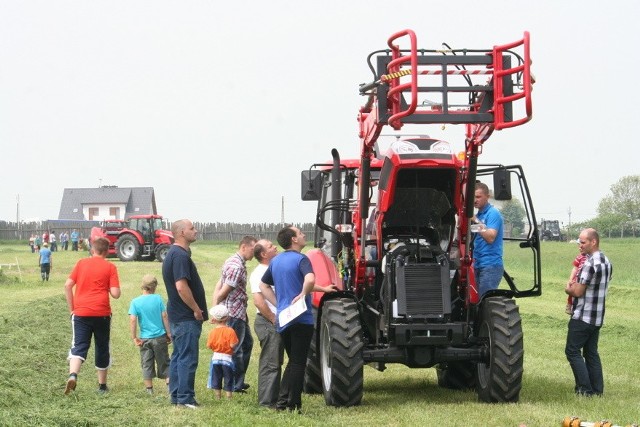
column 94, row 280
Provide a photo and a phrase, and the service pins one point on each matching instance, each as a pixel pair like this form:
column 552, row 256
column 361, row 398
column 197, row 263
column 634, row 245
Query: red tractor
column 141, row 237
column 393, row 229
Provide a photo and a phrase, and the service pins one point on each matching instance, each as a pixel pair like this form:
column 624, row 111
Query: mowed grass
column 35, row 337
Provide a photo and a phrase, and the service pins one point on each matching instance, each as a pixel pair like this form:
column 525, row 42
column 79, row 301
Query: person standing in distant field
column 64, row 241
column 271, row 346
column 187, row 309
column 233, row 294
column 53, row 241
column 45, row 237
column 87, row 291
column 589, row 291
column 38, row 242
column 74, row 240
column 292, row 275
column 45, row 261
column 487, row 242
column 32, row 243
column 149, row 311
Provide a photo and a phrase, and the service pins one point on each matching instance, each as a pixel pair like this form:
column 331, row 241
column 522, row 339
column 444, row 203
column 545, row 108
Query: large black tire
column 161, row 252
column 500, row 379
column 456, row 375
column 341, row 359
column 312, row 373
column 128, row 248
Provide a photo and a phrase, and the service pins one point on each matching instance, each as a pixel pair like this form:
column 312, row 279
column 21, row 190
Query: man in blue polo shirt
column 487, row 243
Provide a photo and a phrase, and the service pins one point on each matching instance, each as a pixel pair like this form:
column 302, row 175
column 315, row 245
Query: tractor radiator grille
column 423, row 290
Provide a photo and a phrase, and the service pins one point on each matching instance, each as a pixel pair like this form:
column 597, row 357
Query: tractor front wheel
column 499, row 379
column 128, row 248
column 161, row 252
column 341, row 345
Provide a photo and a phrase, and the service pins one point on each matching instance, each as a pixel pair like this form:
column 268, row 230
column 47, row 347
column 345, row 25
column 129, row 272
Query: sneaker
column 103, row 390
column 245, row 386
column 192, row 405
column 71, row 384
column 149, row 390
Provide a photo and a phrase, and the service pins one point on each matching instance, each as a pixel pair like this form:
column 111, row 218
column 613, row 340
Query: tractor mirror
column 311, row 185
column 501, row 184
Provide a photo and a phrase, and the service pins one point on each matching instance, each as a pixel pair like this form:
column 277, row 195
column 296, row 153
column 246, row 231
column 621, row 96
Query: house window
column 93, row 212
column 114, row 212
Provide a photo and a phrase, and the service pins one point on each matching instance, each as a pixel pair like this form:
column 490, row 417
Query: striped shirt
column 234, row 274
column 596, row 274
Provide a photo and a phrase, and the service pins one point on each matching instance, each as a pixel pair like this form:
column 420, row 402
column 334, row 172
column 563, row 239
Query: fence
column 24, row 230
column 231, row 232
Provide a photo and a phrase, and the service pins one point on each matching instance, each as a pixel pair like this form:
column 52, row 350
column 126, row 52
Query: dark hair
column 247, row 240
column 285, row 237
column 257, row 252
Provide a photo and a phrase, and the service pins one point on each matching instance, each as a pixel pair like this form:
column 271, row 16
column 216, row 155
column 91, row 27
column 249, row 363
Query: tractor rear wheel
column 312, row 373
column 456, row 375
column 161, row 252
column 128, row 248
column 499, row 379
column 341, row 347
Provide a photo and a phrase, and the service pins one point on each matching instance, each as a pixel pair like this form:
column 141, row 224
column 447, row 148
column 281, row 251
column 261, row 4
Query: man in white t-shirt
column 272, row 349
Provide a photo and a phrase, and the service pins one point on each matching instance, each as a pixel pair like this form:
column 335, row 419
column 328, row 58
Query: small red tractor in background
column 393, row 228
column 141, row 237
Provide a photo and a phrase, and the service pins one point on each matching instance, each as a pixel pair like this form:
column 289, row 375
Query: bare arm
column 68, row 293
column 187, row 296
column 488, row 234
column 222, row 294
column 133, row 327
column 267, row 293
column 307, row 286
column 575, row 289
column 216, row 290
column 115, row 292
column 261, row 304
column 165, row 322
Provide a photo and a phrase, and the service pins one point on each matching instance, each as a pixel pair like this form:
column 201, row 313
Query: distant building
column 106, row 202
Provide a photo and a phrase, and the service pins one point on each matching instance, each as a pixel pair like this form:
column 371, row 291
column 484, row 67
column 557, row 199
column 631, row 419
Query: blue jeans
column 488, row 278
column 586, row 367
column 242, row 353
column 184, row 361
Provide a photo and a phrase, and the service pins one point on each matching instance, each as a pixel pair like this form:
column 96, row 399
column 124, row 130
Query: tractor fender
column 325, row 271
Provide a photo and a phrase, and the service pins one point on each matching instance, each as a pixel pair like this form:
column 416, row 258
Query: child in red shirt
column 222, row 340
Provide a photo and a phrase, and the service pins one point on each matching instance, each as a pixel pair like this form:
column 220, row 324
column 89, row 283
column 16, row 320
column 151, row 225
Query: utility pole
column 569, row 228
column 282, row 212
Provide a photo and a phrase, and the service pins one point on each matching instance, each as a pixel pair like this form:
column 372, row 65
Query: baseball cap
column 219, row 312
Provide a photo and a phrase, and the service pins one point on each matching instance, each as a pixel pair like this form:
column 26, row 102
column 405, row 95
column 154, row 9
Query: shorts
column 154, row 357
column 82, row 329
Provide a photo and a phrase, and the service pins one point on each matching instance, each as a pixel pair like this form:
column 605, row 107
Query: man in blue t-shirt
column 46, row 261
column 487, row 243
column 187, row 309
column 292, row 276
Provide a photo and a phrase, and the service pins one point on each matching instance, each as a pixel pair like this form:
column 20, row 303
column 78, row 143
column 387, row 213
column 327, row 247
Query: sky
column 219, row 105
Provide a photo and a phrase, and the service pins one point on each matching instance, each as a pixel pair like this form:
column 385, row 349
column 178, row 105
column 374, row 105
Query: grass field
column 35, row 337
